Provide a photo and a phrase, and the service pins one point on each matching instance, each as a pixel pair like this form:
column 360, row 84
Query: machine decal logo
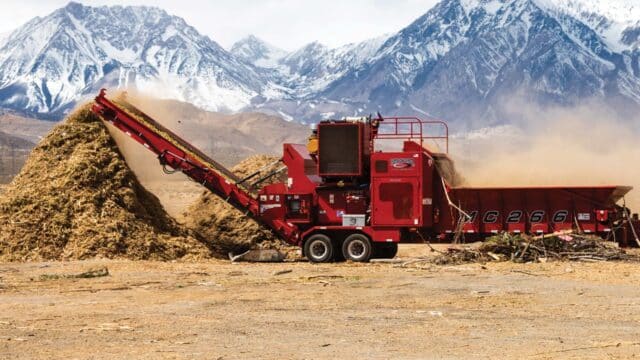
column 491, row 217
column 514, row 216
column 402, row 163
column 537, row 216
column 560, row 216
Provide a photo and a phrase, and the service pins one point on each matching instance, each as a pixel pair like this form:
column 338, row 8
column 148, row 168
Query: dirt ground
column 219, row 310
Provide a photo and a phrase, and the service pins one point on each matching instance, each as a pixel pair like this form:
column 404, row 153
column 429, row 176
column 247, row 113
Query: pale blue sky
column 288, row 24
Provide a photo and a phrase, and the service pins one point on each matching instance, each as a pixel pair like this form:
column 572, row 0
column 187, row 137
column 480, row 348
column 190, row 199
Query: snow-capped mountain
column 614, row 21
column 315, row 66
column 463, row 60
column 468, row 59
column 258, row 52
column 310, row 68
column 49, row 63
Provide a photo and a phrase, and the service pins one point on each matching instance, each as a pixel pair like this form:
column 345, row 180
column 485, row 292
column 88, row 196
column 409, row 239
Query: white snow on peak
column 361, row 52
column 169, row 32
column 622, row 11
column 609, row 18
column 125, row 56
column 490, row 6
column 314, row 66
column 258, row 52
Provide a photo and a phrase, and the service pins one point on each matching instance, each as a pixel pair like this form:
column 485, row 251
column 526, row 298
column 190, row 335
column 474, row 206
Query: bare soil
column 218, row 310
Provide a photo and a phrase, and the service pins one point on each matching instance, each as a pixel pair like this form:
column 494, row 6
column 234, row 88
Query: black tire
column 385, row 250
column 319, row 248
column 357, row 247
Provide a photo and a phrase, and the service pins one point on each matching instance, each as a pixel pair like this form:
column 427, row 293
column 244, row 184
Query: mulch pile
column 524, row 249
column 220, row 223
column 76, row 198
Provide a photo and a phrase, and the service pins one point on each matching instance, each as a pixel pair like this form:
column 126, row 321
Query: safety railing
column 413, row 128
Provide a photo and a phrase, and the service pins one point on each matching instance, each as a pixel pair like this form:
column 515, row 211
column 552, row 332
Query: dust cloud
column 145, row 163
column 583, row 146
column 175, row 191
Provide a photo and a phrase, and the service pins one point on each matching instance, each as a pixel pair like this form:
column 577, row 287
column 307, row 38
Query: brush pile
column 76, row 198
column 524, row 249
column 230, row 229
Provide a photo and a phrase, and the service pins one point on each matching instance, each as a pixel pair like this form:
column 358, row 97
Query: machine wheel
column 357, row 247
column 318, row 248
column 385, row 250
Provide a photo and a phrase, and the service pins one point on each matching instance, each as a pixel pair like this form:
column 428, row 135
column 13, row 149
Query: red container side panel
column 530, row 210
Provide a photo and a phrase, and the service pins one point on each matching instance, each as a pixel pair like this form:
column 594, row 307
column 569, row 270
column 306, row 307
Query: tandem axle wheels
column 357, row 247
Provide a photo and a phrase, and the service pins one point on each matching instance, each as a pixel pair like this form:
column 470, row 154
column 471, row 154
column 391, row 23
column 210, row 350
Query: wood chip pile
column 221, row 224
column 76, row 198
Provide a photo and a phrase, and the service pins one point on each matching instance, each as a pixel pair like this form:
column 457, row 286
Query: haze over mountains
column 17, row 137
column 466, row 61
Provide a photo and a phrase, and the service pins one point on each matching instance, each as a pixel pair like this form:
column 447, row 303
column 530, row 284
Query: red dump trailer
column 350, row 195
